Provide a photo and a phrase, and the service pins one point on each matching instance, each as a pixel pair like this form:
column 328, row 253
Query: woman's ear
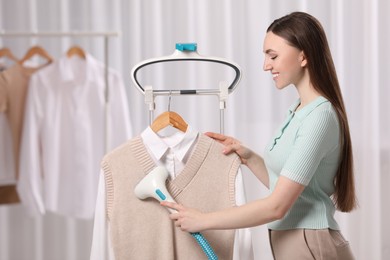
column 303, row 59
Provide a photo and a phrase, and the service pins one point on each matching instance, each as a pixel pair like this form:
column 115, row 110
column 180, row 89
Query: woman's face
column 285, row 62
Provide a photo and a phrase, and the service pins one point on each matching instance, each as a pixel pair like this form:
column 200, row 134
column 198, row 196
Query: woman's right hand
column 232, row 145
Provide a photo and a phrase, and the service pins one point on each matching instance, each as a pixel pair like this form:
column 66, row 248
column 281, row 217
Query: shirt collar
column 179, row 142
column 302, row 113
column 66, row 64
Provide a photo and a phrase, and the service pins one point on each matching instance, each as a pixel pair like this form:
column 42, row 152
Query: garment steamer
column 153, row 185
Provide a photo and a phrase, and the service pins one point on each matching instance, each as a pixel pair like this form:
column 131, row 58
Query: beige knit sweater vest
column 141, row 229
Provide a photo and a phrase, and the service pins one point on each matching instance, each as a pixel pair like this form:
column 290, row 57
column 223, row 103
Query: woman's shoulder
column 324, row 117
column 324, row 109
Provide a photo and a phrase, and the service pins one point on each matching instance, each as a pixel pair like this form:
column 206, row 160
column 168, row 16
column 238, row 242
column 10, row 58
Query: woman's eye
column 273, row 57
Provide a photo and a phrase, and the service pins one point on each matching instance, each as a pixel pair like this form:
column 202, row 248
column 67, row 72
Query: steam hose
column 204, row 244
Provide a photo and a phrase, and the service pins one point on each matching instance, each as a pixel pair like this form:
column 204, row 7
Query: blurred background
column 358, row 33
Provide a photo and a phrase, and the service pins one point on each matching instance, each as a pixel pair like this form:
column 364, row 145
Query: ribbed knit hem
column 232, row 180
column 109, row 188
column 142, row 155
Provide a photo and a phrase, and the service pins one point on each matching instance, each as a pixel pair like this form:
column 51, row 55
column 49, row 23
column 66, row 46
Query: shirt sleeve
column 118, row 113
column 101, row 248
column 243, row 236
column 317, row 137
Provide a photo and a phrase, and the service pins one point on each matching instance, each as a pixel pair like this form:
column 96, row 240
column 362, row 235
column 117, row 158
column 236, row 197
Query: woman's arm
column 255, row 213
column 249, row 158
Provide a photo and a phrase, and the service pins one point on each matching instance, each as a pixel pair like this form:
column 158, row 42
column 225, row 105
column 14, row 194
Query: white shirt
column 171, row 152
column 64, row 135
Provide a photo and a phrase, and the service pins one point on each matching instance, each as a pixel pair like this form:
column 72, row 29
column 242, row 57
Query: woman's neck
column 307, row 94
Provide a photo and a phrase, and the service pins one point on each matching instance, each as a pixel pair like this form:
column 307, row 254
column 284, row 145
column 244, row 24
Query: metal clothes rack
column 187, row 52
column 73, row 34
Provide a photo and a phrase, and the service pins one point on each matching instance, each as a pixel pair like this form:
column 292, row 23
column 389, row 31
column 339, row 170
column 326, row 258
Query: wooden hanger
column 5, row 52
column 169, row 118
column 36, row 50
column 76, row 50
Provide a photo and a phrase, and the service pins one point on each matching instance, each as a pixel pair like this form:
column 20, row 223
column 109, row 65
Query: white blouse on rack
column 64, row 135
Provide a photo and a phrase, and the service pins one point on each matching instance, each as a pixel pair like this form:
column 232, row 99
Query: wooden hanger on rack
column 36, row 50
column 6, row 52
column 169, row 118
column 76, row 50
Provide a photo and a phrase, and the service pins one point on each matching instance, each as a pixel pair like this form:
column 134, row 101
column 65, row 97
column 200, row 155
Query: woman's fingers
column 174, row 216
column 226, row 140
column 171, row 205
column 230, row 144
column 216, row 136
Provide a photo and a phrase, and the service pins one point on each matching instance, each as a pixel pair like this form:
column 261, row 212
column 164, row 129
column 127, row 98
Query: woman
column 308, row 164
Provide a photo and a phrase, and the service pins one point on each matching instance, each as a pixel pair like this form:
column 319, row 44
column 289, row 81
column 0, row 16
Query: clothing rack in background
column 77, row 34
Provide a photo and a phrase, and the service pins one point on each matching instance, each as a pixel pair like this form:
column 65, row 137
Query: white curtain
column 359, row 35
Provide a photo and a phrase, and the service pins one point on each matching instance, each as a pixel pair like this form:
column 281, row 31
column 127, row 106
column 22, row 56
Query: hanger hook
column 169, row 100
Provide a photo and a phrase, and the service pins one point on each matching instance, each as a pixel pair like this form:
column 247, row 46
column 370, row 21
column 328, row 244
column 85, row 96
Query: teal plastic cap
column 186, row 46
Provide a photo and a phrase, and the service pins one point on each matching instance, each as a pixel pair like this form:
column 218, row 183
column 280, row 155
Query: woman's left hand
column 187, row 219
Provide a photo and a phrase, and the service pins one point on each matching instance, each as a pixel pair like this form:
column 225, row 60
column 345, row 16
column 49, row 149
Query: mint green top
column 306, row 150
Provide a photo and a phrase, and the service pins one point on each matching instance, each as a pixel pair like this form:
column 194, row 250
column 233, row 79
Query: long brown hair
column 305, row 33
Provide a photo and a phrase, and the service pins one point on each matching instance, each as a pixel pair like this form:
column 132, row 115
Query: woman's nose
column 266, row 65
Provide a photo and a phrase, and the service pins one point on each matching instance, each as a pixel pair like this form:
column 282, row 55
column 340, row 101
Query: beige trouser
column 302, row 244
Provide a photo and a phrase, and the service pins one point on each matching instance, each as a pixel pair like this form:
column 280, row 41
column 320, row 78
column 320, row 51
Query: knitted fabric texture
column 142, row 229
